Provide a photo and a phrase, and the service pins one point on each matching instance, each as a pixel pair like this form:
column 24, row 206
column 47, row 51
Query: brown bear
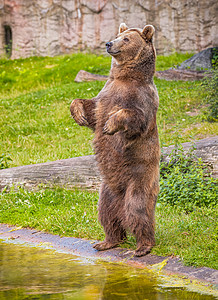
column 123, row 117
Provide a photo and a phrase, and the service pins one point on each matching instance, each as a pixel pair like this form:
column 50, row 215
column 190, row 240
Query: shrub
column 4, row 161
column 184, row 182
column 210, row 86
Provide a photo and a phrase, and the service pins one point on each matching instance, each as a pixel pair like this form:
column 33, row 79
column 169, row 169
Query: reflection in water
column 35, row 273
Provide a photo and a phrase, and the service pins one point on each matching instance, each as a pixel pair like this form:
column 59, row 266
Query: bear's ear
column 148, row 32
column 122, row 27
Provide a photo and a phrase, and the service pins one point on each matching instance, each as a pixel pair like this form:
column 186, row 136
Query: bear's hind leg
column 139, row 210
column 110, row 216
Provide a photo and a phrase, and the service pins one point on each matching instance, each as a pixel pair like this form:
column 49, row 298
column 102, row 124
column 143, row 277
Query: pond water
column 38, row 273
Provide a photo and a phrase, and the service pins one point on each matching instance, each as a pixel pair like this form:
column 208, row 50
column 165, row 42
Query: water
column 37, row 273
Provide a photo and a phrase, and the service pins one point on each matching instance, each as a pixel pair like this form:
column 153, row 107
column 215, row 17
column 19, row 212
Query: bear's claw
column 107, row 131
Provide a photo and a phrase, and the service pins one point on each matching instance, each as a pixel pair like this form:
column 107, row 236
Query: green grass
column 36, row 93
column 35, row 97
column 192, row 237
column 21, row 76
column 59, row 211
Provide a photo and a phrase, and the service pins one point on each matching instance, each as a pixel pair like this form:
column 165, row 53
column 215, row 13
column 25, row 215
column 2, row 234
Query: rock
column 54, row 27
column 194, row 68
column 199, row 61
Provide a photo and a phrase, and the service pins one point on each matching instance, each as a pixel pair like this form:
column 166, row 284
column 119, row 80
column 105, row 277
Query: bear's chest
column 109, row 100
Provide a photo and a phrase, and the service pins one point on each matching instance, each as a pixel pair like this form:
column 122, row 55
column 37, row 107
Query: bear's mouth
column 113, row 53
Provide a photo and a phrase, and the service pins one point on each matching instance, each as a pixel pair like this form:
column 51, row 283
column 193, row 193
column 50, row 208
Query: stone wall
column 52, row 27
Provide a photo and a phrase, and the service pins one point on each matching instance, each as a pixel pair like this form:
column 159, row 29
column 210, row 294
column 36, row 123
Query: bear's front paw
column 78, row 113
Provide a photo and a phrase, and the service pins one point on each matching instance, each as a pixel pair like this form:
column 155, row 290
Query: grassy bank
column 36, row 92
column 190, row 236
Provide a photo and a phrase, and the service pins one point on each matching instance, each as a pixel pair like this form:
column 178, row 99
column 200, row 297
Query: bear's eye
column 126, row 39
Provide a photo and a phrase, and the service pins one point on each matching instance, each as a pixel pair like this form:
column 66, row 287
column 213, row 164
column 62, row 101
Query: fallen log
column 170, row 74
column 83, row 172
column 185, row 75
column 86, row 76
column 79, row 172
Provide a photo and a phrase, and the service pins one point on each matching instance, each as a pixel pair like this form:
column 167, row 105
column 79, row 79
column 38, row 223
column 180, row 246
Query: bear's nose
column 109, row 45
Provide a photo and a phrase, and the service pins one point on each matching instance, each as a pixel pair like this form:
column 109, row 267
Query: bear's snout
column 109, row 45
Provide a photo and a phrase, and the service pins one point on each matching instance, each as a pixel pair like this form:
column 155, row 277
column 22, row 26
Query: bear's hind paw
column 144, row 250
column 105, row 245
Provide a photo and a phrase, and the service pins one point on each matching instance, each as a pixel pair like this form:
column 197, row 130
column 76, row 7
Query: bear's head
column 132, row 44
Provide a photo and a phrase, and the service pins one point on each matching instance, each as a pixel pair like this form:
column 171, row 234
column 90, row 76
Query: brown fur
column 123, row 116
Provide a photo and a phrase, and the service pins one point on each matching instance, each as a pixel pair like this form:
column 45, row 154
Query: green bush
column 185, row 183
column 210, row 87
column 4, row 161
column 214, row 59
